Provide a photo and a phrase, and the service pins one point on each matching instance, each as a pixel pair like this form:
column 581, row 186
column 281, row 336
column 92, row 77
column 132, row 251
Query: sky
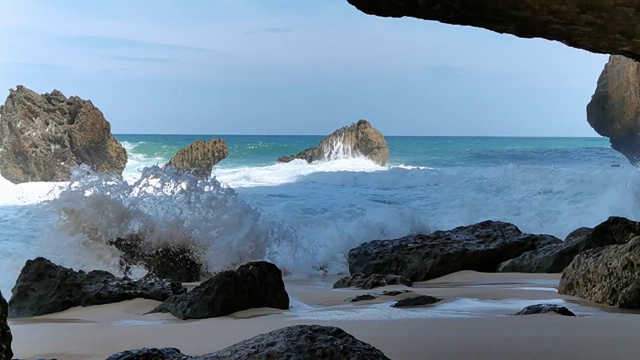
column 292, row 67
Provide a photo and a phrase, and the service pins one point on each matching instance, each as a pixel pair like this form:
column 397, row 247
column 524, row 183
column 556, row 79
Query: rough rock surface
column 357, row 139
column 199, row 158
column 551, row 257
column 419, row 300
column 607, row 275
column 598, row 26
column 614, row 109
column 43, row 136
column 299, row 342
column 5, row 332
column 545, row 308
column 171, row 262
column 479, row 247
column 44, row 288
column 253, row 285
column 369, row 282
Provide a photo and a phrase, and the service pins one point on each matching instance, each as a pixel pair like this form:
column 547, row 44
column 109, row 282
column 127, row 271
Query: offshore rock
column 5, row 332
column 545, row 308
column 253, row 285
column 199, row 158
column 43, row 136
column 369, row 282
column 598, row 26
column 608, row 275
column 480, row 247
column 44, row 288
column 614, row 109
column 299, row 342
column 418, row 300
column 359, row 139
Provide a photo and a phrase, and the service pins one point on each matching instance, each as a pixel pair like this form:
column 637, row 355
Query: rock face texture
column 550, row 258
column 369, row 282
column 480, row 247
column 607, row 275
column 5, row 332
column 359, row 139
column 545, row 308
column 597, row 26
column 299, row 342
column 199, row 157
column 253, row 285
column 44, row 288
column 43, row 136
column 614, row 110
column 171, row 263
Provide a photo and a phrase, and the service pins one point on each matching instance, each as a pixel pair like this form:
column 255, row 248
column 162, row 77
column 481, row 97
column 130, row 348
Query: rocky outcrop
column 175, row 263
column 44, row 288
column 369, row 282
column 300, row 342
column 550, row 258
column 608, row 275
column 43, row 136
column 545, row 308
column 419, row 300
column 5, row 332
column 359, row 139
column 253, row 285
column 597, row 26
column 479, row 247
column 614, row 109
column 199, row 158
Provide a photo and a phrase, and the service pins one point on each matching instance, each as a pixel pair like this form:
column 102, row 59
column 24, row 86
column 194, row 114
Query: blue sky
column 292, row 67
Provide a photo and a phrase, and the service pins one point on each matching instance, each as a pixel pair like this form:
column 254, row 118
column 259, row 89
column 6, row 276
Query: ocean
column 305, row 217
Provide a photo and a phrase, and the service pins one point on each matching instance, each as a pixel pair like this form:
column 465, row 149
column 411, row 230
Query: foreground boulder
column 5, row 332
column 299, row 342
column 361, row 281
column 175, row 263
column 199, row 158
column 253, row 285
column 615, row 106
column 359, row 139
column 44, row 288
column 597, row 25
column 479, row 247
column 608, row 275
column 545, row 308
column 43, row 136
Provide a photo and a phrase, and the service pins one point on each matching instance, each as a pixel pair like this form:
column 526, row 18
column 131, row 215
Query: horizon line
column 443, row 136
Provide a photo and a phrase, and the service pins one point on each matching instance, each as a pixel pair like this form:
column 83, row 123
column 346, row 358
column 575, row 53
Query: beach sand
column 472, row 322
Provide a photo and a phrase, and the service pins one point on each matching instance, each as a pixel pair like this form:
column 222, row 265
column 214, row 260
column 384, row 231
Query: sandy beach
column 472, row 322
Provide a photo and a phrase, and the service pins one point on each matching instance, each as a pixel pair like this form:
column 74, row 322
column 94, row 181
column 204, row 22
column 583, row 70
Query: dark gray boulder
column 5, row 332
column 545, row 308
column 299, row 342
column 369, row 282
column 480, row 247
column 363, row 297
column 44, row 288
column 607, row 275
column 253, row 285
column 419, row 300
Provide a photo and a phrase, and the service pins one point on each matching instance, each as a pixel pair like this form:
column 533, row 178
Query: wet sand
column 472, row 322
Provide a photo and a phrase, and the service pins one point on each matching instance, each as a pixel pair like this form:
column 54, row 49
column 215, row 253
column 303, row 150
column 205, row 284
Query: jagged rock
column 597, row 26
column 545, row 308
column 479, row 247
column 369, row 282
column 615, row 106
column 43, row 136
column 253, row 285
column 44, row 288
column 363, row 297
column 607, row 275
column 299, row 342
column 151, row 354
column 551, row 257
column 5, row 332
column 173, row 263
column 199, row 157
column 357, row 139
column 419, row 300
